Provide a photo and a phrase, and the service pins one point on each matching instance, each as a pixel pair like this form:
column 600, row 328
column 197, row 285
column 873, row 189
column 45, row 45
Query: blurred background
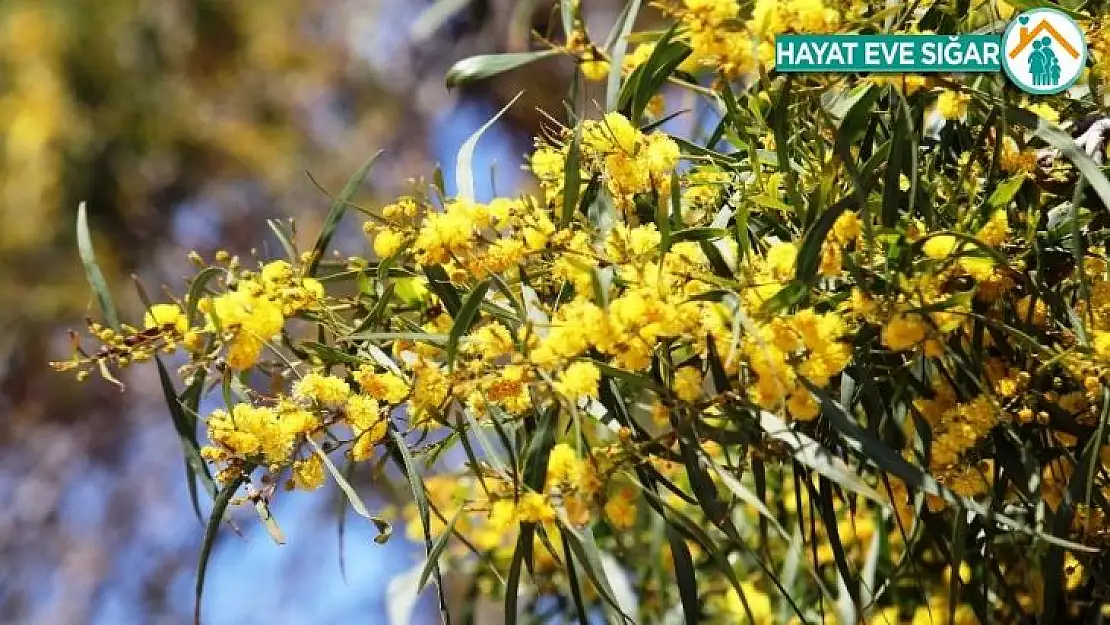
column 185, row 125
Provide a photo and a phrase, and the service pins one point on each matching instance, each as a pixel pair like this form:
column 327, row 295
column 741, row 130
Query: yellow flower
column 687, row 383
column 904, row 331
column 662, row 155
column 995, row 232
column 613, row 133
column 802, row 405
column 780, row 260
column 327, row 390
column 387, row 241
column 578, row 380
column 1045, row 110
column 952, row 104
column 387, row 387
column 941, row 246
column 308, row 474
column 161, row 315
column 563, row 465
column 620, row 510
column 534, row 507
column 595, row 69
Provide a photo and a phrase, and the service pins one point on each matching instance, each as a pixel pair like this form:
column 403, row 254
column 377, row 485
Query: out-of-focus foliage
column 181, row 123
column 844, row 357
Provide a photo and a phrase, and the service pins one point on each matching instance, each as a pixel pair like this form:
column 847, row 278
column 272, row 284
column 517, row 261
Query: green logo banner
column 910, row 54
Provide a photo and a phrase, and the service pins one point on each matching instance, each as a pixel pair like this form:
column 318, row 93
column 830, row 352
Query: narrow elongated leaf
column 699, row 234
column 440, row 284
column 1057, row 138
column 484, row 66
column 336, row 212
column 572, row 176
column 467, row 314
column 464, row 168
column 860, row 109
column 196, row 292
column 616, row 54
column 219, row 506
column 269, row 522
column 401, row 454
column 684, row 576
column 512, row 582
column 809, row 256
column 185, row 426
column 92, row 269
column 813, row 455
column 384, row 528
column 437, row 549
column 572, row 579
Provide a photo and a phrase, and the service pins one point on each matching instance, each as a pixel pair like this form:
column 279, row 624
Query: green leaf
column 647, row 79
column 185, row 425
column 486, row 65
column 210, row 531
column 338, row 208
column 268, row 521
column 892, row 192
column 512, row 582
column 572, row 579
column 1057, row 138
column 572, row 176
column 684, row 576
column 748, row 497
column 435, row 17
column 813, row 455
column 1005, row 191
column 809, row 256
column 699, row 234
column 860, row 105
column 400, row 451
column 437, row 549
column 384, row 528
column 284, row 237
column 539, row 449
column 196, row 292
column 616, row 55
column 467, row 314
column 441, row 285
column 92, row 269
column 585, row 551
column 464, row 168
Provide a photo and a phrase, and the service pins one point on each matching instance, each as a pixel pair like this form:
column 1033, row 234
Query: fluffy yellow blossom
column 940, row 247
column 534, row 507
column 904, row 332
column 162, row 315
column 780, row 260
column 578, row 380
column 367, row 423
column 327, row 390
column 620, row 509
column 387, row 387
column 308, row 474
column 687, row 383
column 564, row 465
column 387, row 241
column 952, row 104
column 996, row 230
column 613, row 133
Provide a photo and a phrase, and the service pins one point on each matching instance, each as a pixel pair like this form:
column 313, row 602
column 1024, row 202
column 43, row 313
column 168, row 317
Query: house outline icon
column 1026, row 37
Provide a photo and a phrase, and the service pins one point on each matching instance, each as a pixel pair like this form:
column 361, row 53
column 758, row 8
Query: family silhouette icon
column 1044, row 65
